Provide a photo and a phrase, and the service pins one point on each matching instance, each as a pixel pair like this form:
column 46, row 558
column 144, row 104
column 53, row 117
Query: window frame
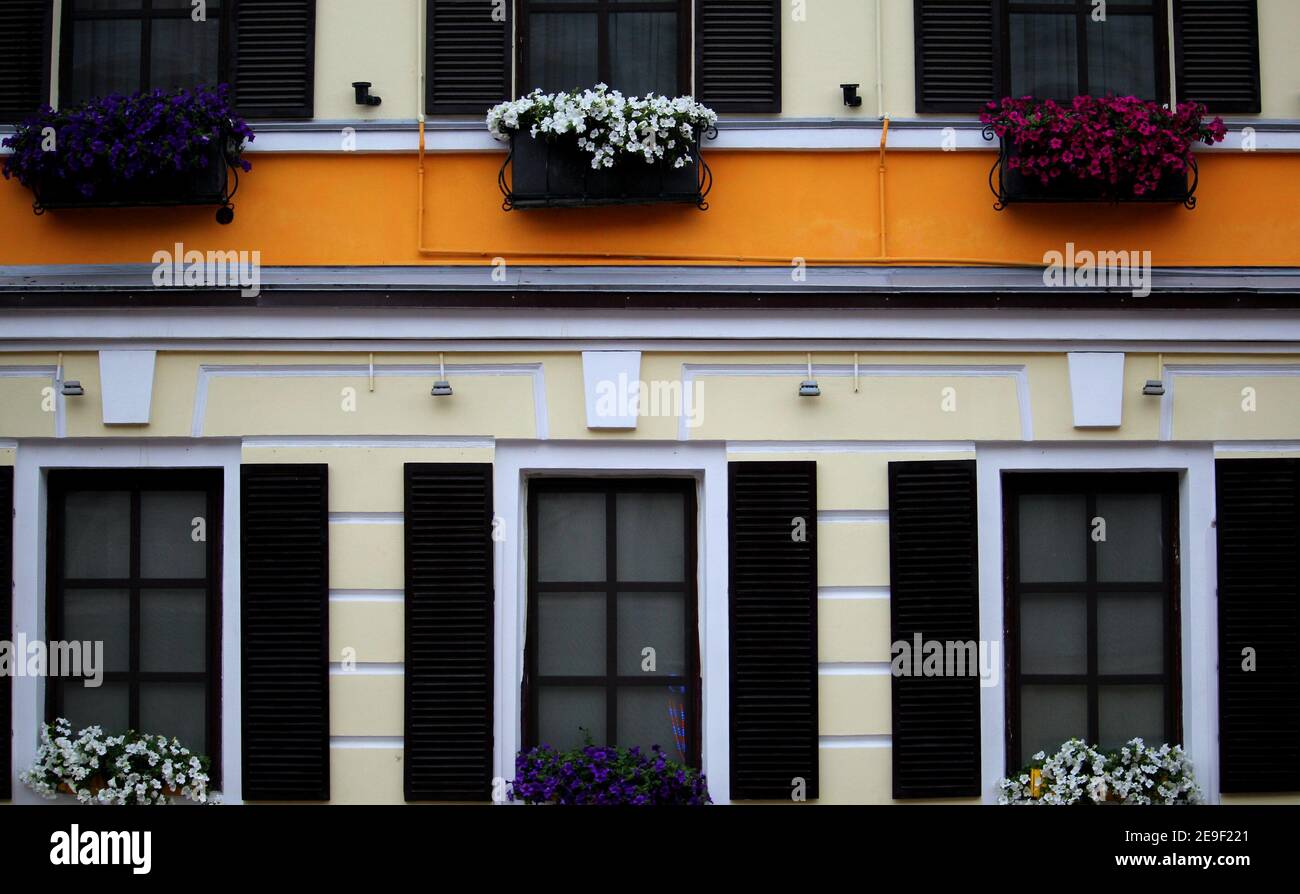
column 59, row 483
column 1089, row 485
column 1081, row 10
column 145, row 15
column 602, row 10
column 611, row 681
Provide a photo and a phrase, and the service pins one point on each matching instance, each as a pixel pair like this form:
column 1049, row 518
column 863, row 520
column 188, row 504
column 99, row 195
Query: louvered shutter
column 449, row 647
column 956, row 55
column 738, row 55
column 6, row 626
column 273, row 57
column 773, row 619
column 468, row 56
column 284, row 624
column 1218, row 54
column 24, row 58
column 1259, row 609
column 934, row 592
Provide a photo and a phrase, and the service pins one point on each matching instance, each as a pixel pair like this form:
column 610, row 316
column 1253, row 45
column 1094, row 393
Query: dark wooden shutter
column 284, row 623
column 449, row 645
column 1218, row 54
column 273, row 58
column 6, row 626
column 956, row 55
column 1259, row 608
column 773, row 619
column 24, row 57
column 467, row 59
column 934, row 592
column 738, row 55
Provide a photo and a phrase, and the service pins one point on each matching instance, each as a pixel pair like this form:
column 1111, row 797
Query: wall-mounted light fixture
column 1156, row 387
column 441, row 388
column 809, row 387
column 851, row 98
column 364, row 98
column 71, row 388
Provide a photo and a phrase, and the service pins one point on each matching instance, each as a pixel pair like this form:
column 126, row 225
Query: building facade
column 428, row 480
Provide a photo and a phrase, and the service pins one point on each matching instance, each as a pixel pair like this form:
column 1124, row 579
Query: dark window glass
column 1059, row 49
column 1092, row 610
column 135, row 565
column 612, row 628
column 635, row 46
column 124, row 46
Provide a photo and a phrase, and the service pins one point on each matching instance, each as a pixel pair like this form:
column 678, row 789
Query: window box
column 557, row 173
column 1012, row 187
column 214, row 184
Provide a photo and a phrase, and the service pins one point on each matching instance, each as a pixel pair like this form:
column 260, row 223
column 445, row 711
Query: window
column 124, row 46
column 636, row 46
column 1092, row 610
column 134, row 559
column 612, row 648
column 1056, row 49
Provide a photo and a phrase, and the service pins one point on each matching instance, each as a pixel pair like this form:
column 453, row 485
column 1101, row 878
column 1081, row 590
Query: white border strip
column 209, row 371
column 852, row 516
column 450, row 442
column 367, row 595
column 368, row 669
column 342, row 742
column 1016, row 371
column 747, row 448
column 366, row 518
column 852, row 593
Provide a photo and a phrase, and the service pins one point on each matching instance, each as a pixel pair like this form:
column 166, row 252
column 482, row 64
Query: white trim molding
column 33, row 459
column 519, row 461
column 1197, row 581
column 1170, row 373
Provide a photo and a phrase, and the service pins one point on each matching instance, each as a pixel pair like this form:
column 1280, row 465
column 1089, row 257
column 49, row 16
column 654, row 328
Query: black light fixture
column 72, row 388
column 1156, row 387
column 363, row 94
column 851, row 98
column 809, row 387
column 441, row 388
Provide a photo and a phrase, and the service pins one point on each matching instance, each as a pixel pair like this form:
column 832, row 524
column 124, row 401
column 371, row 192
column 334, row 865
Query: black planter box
column 556, row 174
column 203, row 186
column 1012, row 187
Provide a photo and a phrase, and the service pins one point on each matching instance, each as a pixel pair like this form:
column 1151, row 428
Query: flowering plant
column 608, row 125
column 114, row 140
column 1123, row 144
column 1080, row 774
column 605, row 775
column 128, row 769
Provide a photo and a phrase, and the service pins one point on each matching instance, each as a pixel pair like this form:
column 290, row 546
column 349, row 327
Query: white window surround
column 33, row 459
column 1197, row 576
column 518, row 461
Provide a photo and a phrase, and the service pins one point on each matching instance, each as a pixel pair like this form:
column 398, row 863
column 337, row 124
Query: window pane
column 173, row 630
column 97, row 534
column 1134, row 546
column 571, row 537
column 656, row 621
column 564, row 712
column 1044, row 60
column 100, row 616
column 643, row 52
column 1051, row 715
column 651, row 541
column 562, row 51
column 105, row 59
column 571, row 634
column 167, row 545
column 108, row 706
column 653, row 715
column 1054, row 633
column 1130, row 633
column 1121, row 56
column 1128, row 711
column 175, row 709
column 1053, row 538
column 185, row 52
